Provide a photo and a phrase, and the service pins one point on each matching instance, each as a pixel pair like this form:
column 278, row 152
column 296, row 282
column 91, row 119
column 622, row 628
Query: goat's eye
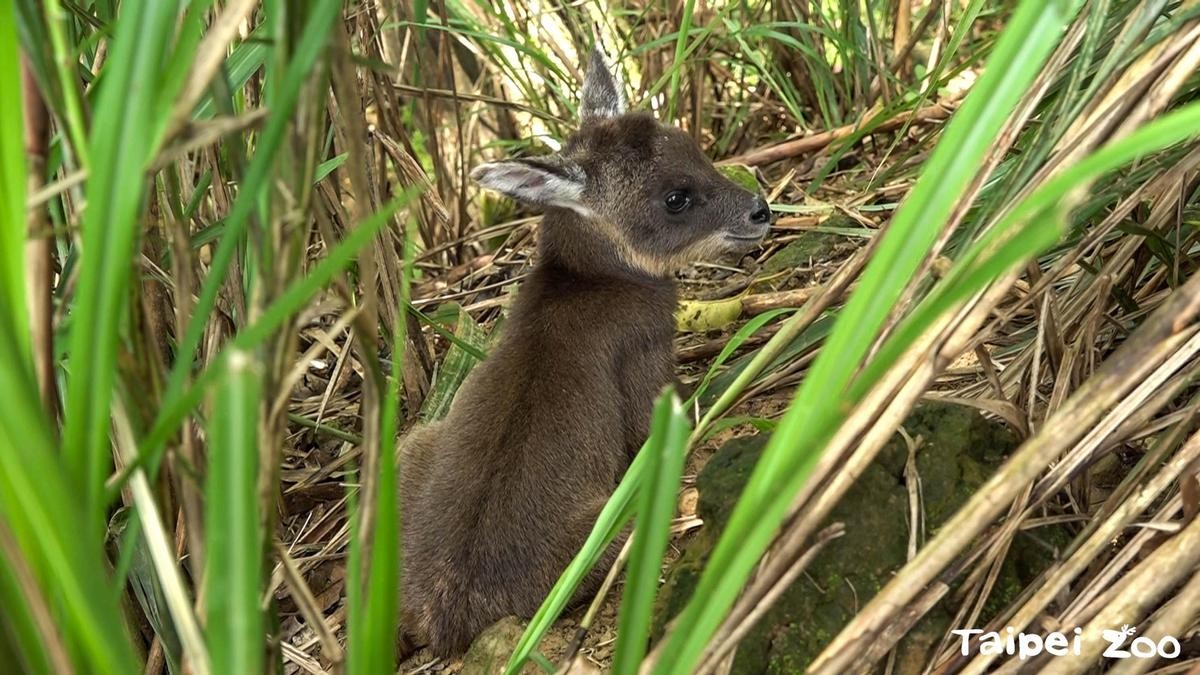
column 677, row 201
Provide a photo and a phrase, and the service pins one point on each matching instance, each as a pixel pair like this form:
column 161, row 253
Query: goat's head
column 645, row 186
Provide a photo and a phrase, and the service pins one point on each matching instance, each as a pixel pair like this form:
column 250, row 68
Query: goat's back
column 500, row 495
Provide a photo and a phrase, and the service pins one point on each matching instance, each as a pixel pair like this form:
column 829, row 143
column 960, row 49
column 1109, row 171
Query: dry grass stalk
column 1164, row 335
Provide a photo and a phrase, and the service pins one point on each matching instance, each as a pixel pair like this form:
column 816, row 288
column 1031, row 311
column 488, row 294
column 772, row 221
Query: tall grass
column 133, row 243
column 789, row 458
column 225, row 228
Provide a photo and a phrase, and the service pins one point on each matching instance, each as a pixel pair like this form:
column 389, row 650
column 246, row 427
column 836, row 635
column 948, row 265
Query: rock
column 581, row 666
column 490, row 651
column 960, row 450
column 812, row 246
column 805, row 249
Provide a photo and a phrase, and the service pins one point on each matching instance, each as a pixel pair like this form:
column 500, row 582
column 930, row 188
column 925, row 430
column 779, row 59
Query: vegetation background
column 239, row 254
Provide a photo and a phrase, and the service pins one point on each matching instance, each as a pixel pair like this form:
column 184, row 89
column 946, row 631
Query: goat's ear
column 603, row 92
column 543, row 181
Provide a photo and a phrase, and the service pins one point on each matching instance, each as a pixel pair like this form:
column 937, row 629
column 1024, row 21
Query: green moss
column 809, row 246
column 490, row 650
column 959, row 450
column 800, row 251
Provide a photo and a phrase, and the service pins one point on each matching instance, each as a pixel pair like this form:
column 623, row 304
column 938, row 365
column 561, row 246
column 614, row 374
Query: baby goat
column 500, row 495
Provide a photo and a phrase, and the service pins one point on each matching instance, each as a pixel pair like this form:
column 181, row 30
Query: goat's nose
column 761, row 215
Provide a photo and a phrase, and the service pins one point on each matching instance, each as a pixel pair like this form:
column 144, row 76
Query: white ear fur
column 603, row 92
column 544, row 182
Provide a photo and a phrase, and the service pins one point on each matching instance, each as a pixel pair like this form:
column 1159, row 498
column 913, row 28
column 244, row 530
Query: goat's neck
column 580, row 283
column 581, row 249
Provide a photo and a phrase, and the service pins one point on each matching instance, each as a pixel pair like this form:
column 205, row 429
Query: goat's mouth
column 746, row 238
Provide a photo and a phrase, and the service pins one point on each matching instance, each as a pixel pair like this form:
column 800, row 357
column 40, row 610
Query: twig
column 1158, row 338
column 39, row 251
column 210, row 54
column 753, row 605
column 1173, row 621
column 1141, row 590
column 306, row 603
column 174, row 590
column 798, row 146
column 586, row 623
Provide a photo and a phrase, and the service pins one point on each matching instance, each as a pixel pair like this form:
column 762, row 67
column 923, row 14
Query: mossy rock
column 490, row 651
column 809, row 246
column 799, row 252
column 960, row 449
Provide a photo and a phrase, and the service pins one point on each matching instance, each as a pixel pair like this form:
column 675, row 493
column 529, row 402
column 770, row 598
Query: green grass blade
column 737, row 340
column 787, row 344
column 292, row 300
column 178, row 62
column 465, row 346
column 1026, row 230
column 612, row 519
column 36, row 498
column 793, row 450
column 34, row 43
column 245, row 60
column 136, row 564
column 677, row 64
column 21, row 643
column 233, row 531
column 120, row 153
column 666, row 450
column 456, row 365
column 372, row 623
column 65, row 63
column 325, row 168
column 253, row 188
column 12, row 185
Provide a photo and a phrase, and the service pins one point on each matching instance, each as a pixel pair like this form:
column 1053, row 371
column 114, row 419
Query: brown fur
column 499, row 496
